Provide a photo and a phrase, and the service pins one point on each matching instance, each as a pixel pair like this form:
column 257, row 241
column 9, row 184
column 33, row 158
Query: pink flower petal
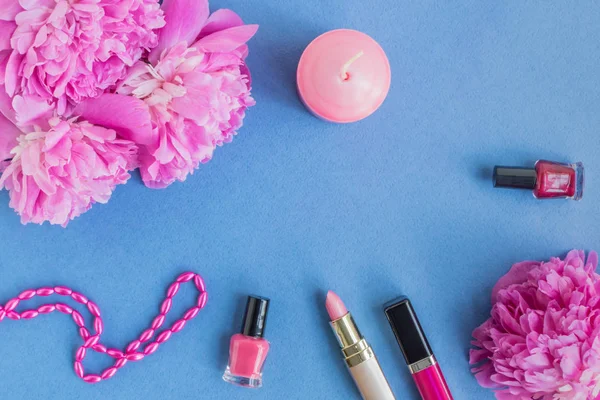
column 9, row 10
column 32, row 110
column 6, row 108
column 517, row 274
column 220, row 20
column 6, row 30
column 127, row 115
column 227, row 40
column 184, row 21
column 12, row 74
column 8, row 137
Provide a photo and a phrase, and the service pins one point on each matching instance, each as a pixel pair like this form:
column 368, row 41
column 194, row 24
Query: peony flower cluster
column 542, row 340
column 93, row 89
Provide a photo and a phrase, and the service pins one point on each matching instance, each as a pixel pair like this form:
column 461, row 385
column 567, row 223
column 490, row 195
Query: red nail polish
column 248, row 350
column 547, row 180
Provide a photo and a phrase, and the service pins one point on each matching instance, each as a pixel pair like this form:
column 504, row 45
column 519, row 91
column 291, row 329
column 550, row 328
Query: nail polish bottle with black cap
column 547, row 180
column 248, row 350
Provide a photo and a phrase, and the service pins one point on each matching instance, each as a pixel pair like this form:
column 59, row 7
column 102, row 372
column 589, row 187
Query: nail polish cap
column 515, row 177
column 255, row 317
column 408, row 331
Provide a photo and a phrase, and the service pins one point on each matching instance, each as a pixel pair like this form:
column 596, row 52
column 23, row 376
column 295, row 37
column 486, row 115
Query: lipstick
column 359, row 356
column 421, row 362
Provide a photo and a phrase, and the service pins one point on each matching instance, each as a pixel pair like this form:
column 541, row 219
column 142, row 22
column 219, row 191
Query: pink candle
column 343, row 76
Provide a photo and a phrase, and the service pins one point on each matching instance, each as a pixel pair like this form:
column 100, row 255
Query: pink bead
column 166, row 306
column 100, row 348
column 29, row 314
column 98, row 326
column 199, row 282
column 164, row 336
column 77, row 318
column 91, row 341
column 134, row 356
column 133, row 346
column 78, row 369
column 114, row 353
column 92, row 378
column 13, row 315
column 80, row 355
column 27, row 294
column 148, row 333
column 78, row 297
column 84, row 333
column 177, row 326
column 151, row 348
column 93, row 308
column 202, row 299
column 173, row 289
column 109, row 373
column 185, row 277
column 63, row 291
column 11, row 305
column 46, row 291
column 191, row 313
column 158, row 321
column 63, row 308
column 120, row 362
column 46, row 309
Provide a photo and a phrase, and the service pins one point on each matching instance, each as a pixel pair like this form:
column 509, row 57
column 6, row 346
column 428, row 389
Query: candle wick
column 344, row 72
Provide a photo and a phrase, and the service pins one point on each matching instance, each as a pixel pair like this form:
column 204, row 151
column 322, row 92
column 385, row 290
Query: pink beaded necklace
column 92, row 342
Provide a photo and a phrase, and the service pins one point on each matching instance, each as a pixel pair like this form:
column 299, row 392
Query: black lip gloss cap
column 515, row 177
column 408, row 331
column 255, row 316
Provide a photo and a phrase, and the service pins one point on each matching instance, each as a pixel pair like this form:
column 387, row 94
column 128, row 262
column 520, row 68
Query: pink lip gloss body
column 431, row 383
column 423, row 366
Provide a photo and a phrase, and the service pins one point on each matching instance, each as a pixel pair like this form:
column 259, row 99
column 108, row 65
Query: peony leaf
column 184, row 21
column 127, row 115
column 226, row 40
column 220, row 20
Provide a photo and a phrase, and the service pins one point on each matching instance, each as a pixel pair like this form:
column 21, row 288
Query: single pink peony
column 196, row 86
column 60, row 167
column 71, row 50
column 543, row 338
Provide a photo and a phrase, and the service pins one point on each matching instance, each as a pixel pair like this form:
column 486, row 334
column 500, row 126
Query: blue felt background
column 401, row 203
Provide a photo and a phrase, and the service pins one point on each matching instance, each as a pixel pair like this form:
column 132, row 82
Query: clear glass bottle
column 248, row 350
column 547, row 180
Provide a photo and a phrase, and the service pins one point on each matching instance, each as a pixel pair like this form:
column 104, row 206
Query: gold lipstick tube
column 361, row 360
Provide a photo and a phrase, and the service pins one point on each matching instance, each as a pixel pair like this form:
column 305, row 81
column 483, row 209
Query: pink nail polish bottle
column 547, row 180
column 248, row 350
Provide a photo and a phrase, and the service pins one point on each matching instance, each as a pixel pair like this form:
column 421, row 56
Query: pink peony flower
column 543, row 338
column 71, row 50
column 197, row 88
column 61, row 167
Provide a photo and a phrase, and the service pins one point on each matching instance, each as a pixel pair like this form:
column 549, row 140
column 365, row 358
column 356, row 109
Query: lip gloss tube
column 421, row 362
column 359, row 356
